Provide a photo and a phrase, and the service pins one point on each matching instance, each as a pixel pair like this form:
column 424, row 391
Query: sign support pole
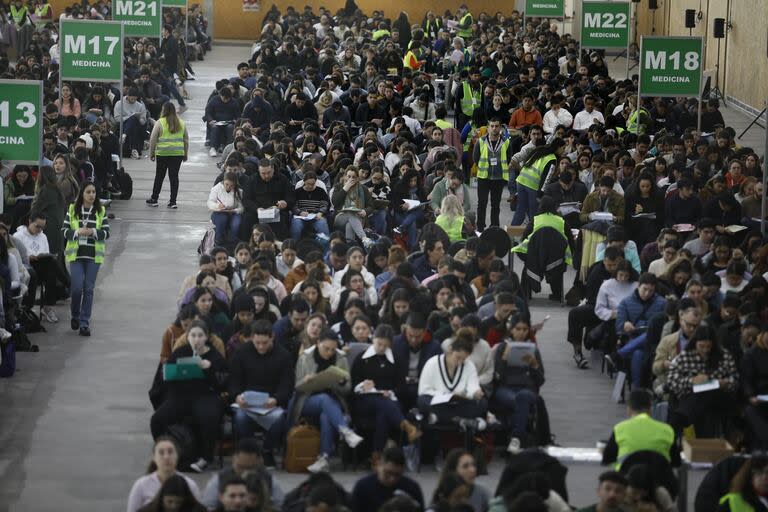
column 763, row 224
column 122, row 100
column 629, row 36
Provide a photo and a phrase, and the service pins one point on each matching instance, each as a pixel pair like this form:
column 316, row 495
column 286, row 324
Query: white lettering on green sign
column 658, row 60
column 137, row 8
column 27, row 110
column 544, row 6
column 604, row 20
column 77, row 44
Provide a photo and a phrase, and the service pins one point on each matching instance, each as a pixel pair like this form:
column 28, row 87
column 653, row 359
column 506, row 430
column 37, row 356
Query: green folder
column 182, row 371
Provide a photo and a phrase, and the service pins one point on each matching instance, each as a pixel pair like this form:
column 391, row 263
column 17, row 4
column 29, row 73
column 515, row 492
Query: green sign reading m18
column 670, row 66
column 21, row 126
column 545, row 8
column 91, row 50
column 142, row 18
column 605, row 24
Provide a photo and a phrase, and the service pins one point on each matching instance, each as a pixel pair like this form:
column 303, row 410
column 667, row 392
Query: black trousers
column 170, row 164
column 50, row 274
column 205, row 411
column 705, row 411
column 495, row 188
column 580, row 318
column 757, row 422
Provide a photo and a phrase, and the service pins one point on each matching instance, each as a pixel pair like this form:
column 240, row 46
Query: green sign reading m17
column 21, row 125
column 91, row 51
column 545, row 8
column 605, row 24
column 141, row 18
column 670, row 66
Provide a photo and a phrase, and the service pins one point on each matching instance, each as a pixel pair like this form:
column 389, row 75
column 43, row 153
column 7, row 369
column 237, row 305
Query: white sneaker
column 368, row 243
column 4, row 335
column 199, row 466
column 182, row 109
column 514, row 445
column 213, row 152
column 321, row 465
column 49, row 314
column 135, row 154
column 350, row 437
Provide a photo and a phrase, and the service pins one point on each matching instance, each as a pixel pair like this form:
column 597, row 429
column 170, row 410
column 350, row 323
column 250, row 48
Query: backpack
column 185, row 439
column 124, row 183
column 302, row 447
column 22, row 343
column 29, row 320
column 208, row 241
column 7, row 359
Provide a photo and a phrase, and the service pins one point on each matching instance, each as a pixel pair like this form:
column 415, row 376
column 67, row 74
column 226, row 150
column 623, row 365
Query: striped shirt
column 87, row 248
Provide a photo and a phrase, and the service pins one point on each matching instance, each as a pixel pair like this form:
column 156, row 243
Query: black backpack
column 124, row 183
column 29, row 320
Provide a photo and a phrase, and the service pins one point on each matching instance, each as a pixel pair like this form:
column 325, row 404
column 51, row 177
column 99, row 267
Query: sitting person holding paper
column 353, row 203
column 266, row 191
column 702, row 379
column 375, row 379
column 604, row 204
column 322, row 385
column 262, row 372
column 449, row 388
column 407, row 196
column 311, row 208
column 518, row 376
column 193, row 377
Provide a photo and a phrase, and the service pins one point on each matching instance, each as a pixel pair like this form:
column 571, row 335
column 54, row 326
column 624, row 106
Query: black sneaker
column 74, row 324
column 172, row 206
column 151, row 202
column 85, row 331
column 269, row 460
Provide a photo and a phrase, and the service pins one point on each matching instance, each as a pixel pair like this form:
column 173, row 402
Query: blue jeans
column 516, row 405
column 385, row 414
column 634, row 352
column 327, row 411
column 407, row 222
column 319, row 226
column 527, row 204
column 227, row 226
column 220, row 136
column 378, row 221
column 245, row 426
column 83, row 274
column 135, row 133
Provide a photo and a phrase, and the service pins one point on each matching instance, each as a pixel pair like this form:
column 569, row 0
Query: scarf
column 323, row 364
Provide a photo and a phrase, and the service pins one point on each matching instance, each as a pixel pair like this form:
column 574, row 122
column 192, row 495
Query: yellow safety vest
column 470, row 100
column 530, row 176
column 70, row 250
column 484, row 163
column 465, row 32
column 546, row 220
column 452, row 228
column 736, row 503
column 633, row 120
column 18, row 14
column 170, row 144
column 443, row 124
column 642, row 433
column 42, row 10
column 378, row 34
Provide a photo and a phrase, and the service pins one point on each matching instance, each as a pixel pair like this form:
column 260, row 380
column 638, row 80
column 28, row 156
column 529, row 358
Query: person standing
column 85, row 230
column 534, row 175
column 492, row 155
column 168, row 147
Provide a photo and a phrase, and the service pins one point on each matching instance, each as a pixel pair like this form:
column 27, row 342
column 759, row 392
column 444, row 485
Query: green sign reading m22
column 141, row 18
column 670, row 66
column 605, row 24
column 91, row 50
column 545, row 8
column 21, row 126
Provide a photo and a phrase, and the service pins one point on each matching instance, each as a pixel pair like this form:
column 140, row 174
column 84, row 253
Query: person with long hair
column 534, row 175
column 68, row 105
column 168, row 147
column 406, row 218
column 353, row 203
column 451, row 493
column 19, row 189
column 462, row 463
column 64, row 178
column 49, row 201
column 85, row 229
column 174, row 496
column 225, row 202
column 451, row 218
column 165, row 458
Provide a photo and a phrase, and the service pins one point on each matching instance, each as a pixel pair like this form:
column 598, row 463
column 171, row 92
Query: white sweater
column 610, row 294
column 434, row 379
column 35, row 244
column 228, row 199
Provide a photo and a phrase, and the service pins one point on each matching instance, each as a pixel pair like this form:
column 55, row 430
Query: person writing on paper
column 406, row 195
column 328, row 406
column 517, row 383
column 263, row 367
column 225, row 202
column 603, row 204
column 710, row 368
column 267, row 189
column 311, row 208
column 374, row 381
column 449, row 387
column 198, row 397
column 353, row 202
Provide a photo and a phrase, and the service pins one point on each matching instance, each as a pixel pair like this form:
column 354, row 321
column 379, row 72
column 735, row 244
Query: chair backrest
column 660, row 467
column 355, row 349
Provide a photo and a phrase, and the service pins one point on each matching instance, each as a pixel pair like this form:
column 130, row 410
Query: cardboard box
column 706, row 450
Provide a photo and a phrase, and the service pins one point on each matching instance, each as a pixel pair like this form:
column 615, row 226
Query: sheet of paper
column 706, row 386
column 269, row 215
column 651, row 216
column 683, row 228
column 414, row 203
column 441, row 399
column 762, row 398
column 311, row 216
column 255, row 398
column 323, row 380
column 602, row 216
column 568, row 210
column 734, row 228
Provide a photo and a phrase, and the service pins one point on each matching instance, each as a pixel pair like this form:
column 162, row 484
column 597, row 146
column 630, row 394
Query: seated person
column 374, row 383
column 702, row 361
column 451, row 377
column 343, row 329
column 204, row 263
column 517, row 385
column 267, row 189
column 387, row 481
column 327, row 407
column 611, row 490
column 617, row 237
column 748, row 494
column 261, row 366
column 754, row 371
column 133, row 114
column 310, row 200
column 198, row 398
column 660, row 266
column 671, row 345
column 412, row 349
column 425, row 265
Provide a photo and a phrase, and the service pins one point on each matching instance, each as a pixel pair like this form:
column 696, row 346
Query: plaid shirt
column 689, row 364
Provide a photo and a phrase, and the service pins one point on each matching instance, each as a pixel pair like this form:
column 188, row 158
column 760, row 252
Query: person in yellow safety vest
column 547, row 217
column 382, row 31
column 451, row 218
column 535, row 173
column 413, row 58
column 643, row 117
column 749, row 487
column 469, row 97
column 460, row 56
column 464, row 28
column 492, row 155
column 640, row 432
column 43, row 12
column 19, row 13
column 431, row 25
column 169, row 145
column 85, row 230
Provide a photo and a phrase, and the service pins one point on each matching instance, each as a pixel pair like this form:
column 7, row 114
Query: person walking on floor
column 85, row 230
column 168, row 147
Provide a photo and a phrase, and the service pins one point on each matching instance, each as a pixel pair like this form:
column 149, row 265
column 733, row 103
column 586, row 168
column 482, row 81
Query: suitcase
column 301, row 448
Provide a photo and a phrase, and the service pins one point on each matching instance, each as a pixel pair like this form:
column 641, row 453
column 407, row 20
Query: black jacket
column 265, row 194
column 215, row 376
column 269, row 373
column 377, row 368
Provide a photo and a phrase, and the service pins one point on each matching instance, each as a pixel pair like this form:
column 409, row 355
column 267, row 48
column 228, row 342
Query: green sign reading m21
column 141, row 18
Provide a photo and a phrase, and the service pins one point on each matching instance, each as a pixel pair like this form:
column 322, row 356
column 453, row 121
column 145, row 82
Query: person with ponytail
column 169, row 144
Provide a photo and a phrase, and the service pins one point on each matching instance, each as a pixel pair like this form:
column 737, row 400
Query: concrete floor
column 74, row 429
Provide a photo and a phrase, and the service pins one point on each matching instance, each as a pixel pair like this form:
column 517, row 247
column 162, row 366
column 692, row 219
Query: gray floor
column 74, row 428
